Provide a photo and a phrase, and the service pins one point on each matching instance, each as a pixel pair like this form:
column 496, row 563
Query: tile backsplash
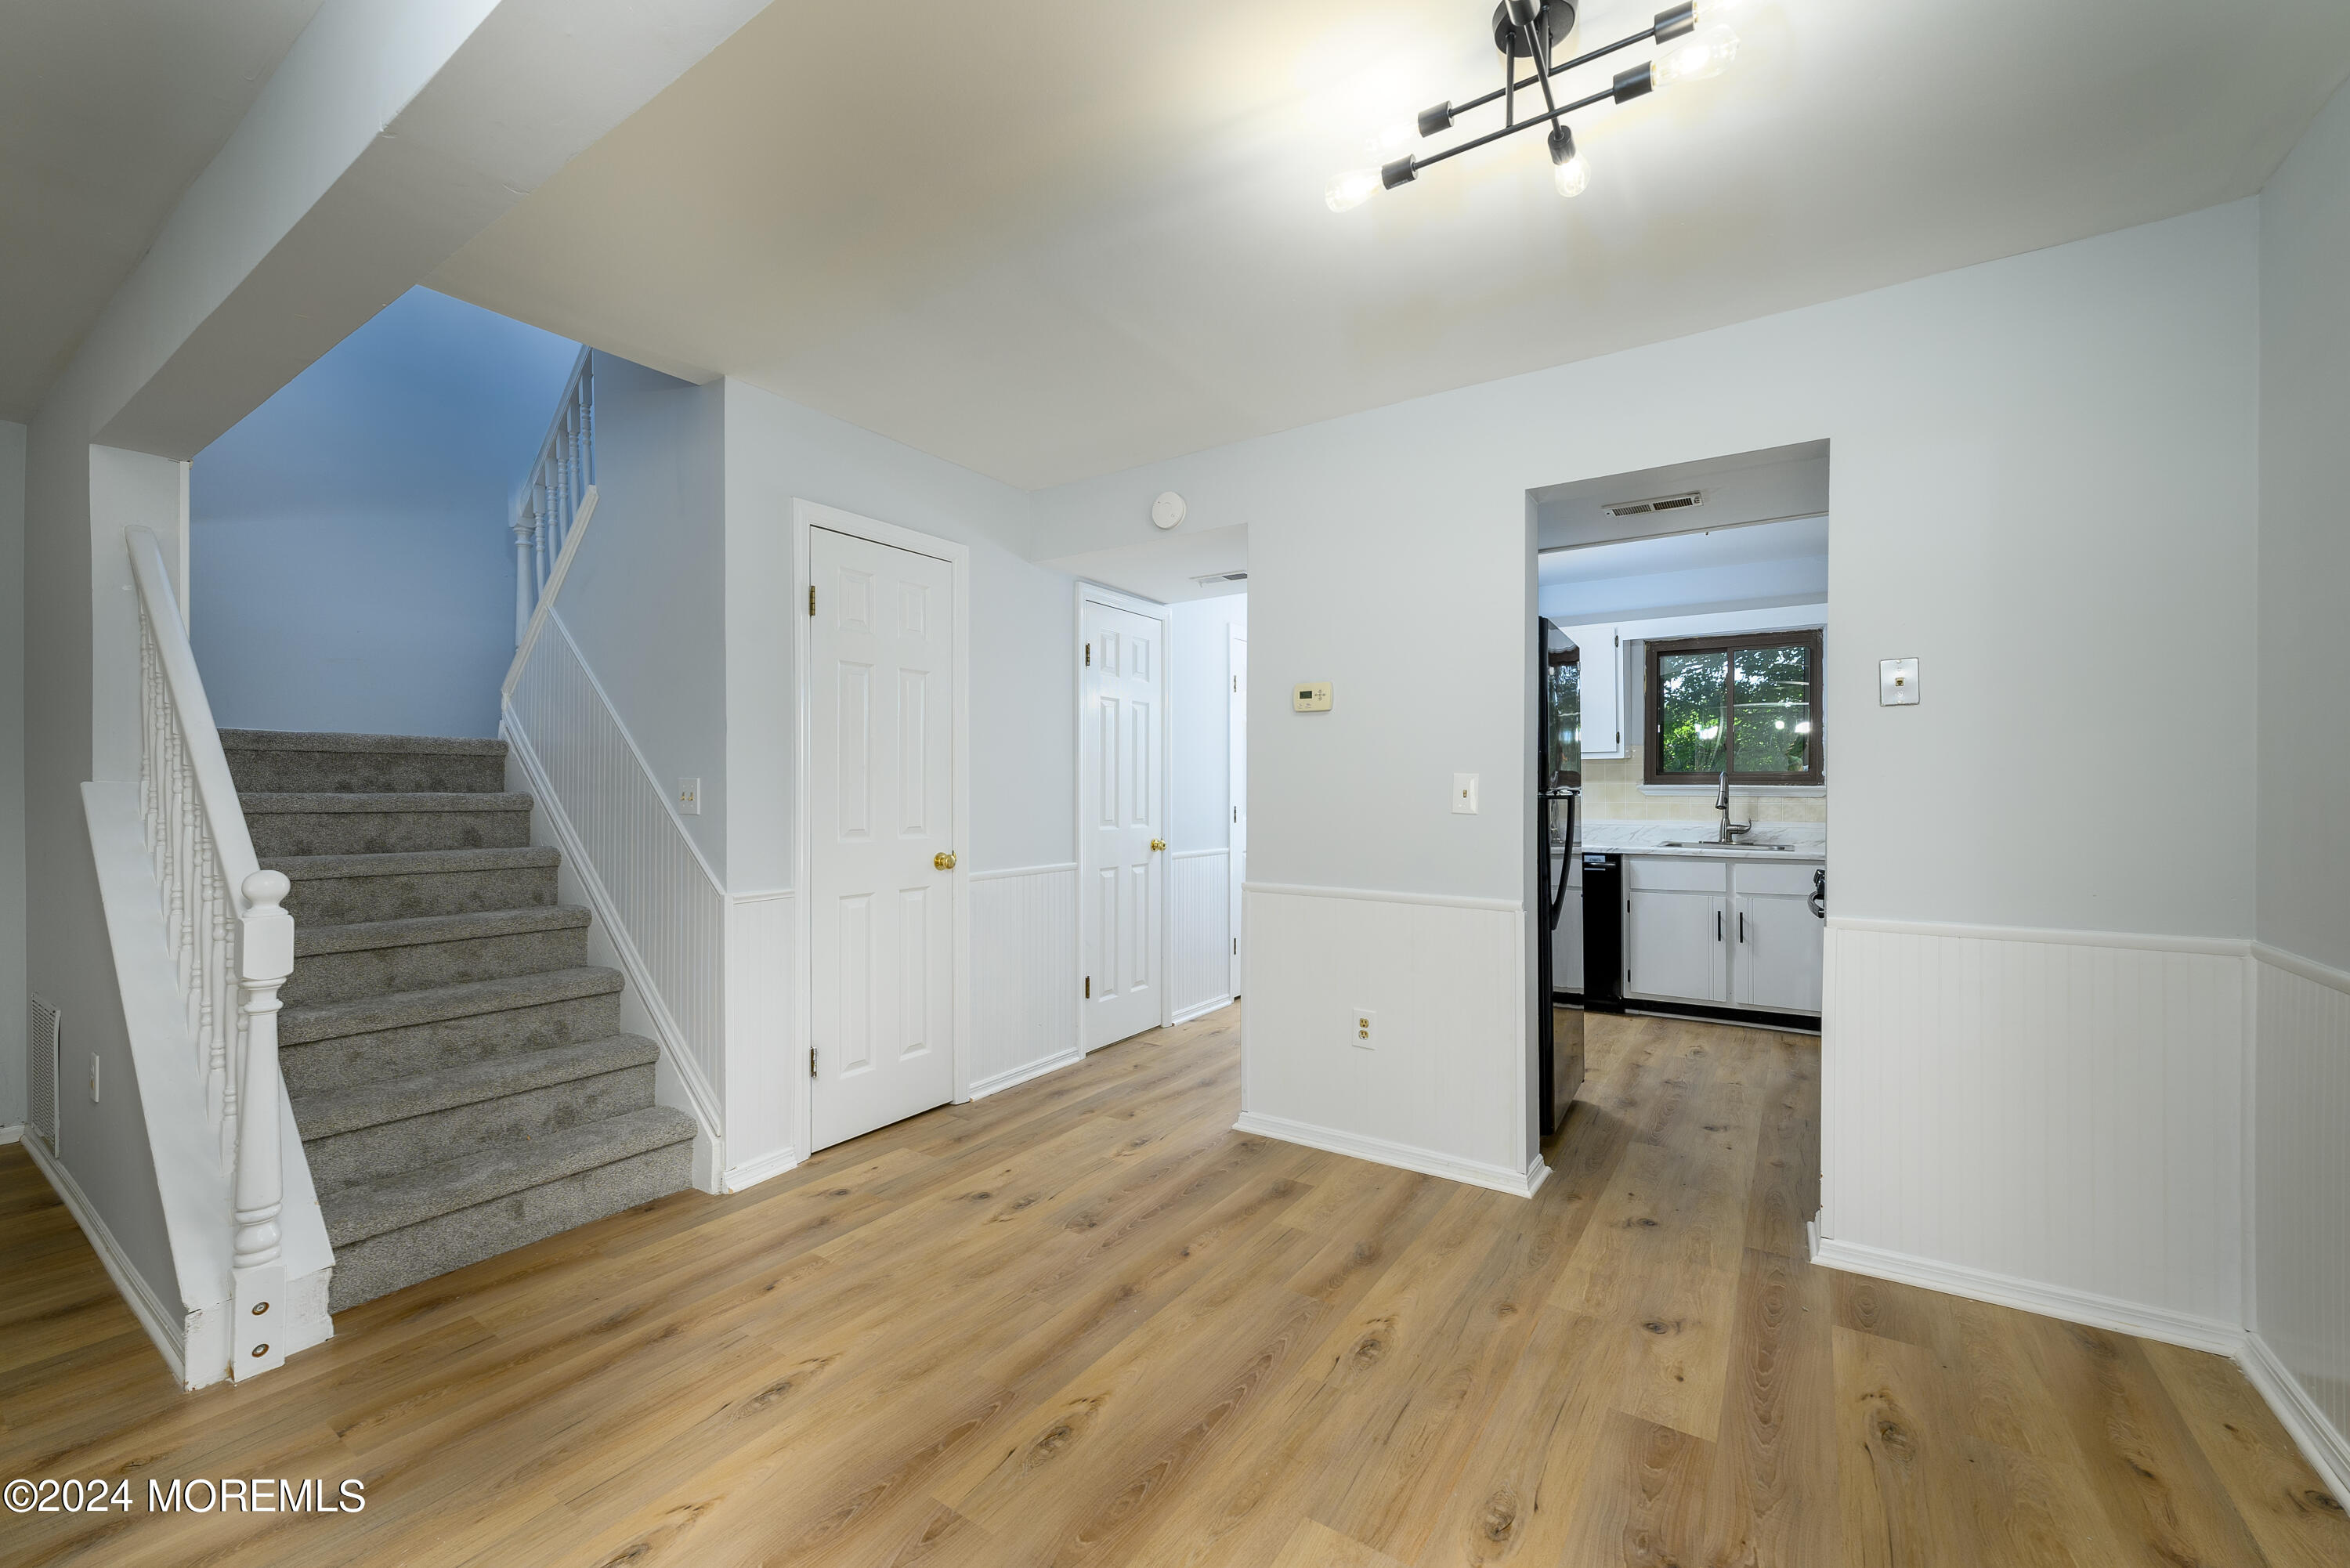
column 1612, row 793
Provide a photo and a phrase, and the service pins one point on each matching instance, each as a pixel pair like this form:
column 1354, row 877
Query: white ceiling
column 1048, row 241
column 108, row 109
column 1743, row 566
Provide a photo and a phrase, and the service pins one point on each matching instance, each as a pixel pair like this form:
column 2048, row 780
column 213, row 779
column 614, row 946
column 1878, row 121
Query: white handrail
column 208, row 881
column 561, row 478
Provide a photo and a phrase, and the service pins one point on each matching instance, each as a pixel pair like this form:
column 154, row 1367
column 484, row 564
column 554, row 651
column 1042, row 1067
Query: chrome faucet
column 1729, row 830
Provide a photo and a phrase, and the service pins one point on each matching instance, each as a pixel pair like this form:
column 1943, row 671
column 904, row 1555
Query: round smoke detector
column 1168, row 510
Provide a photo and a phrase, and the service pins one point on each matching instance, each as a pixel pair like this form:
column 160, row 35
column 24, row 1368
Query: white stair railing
column 557, row 487
column 232, row 942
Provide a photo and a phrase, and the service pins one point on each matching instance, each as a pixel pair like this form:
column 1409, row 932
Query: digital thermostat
column 1310, row 697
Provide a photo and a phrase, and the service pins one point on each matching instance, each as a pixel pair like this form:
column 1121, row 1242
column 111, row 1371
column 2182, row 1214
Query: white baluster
column 545, row 492
column 587, row 408
column 265, row 957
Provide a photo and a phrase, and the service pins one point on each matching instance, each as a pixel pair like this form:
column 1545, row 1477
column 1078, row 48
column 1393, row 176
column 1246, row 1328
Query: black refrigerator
column 1558, row 743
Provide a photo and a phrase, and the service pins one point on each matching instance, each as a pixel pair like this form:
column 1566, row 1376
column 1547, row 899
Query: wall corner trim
column 2326, row 1449
column 1402, row 1156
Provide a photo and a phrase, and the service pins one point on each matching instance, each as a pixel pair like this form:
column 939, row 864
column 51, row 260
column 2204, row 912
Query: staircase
column 455, row 1065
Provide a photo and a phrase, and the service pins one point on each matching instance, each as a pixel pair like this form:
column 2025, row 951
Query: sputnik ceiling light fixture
column 1531, row 30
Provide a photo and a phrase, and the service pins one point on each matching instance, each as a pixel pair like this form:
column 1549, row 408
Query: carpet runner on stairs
column 455, row 1065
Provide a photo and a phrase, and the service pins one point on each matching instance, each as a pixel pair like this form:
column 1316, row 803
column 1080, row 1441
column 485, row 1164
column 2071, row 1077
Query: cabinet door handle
column 1742, row 926
column 1717, row 925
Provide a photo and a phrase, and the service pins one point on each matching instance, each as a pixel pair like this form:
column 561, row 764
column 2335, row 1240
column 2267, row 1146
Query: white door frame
column 1094, row 593
column 1235, row 793
column 811, row 514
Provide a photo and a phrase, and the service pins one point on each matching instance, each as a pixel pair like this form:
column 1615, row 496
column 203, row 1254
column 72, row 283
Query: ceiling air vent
column 1680, row 502
column 1214, row 578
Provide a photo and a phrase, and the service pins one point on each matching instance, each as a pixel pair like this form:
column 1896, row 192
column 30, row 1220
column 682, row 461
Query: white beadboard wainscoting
column 2299, row 1351
column 661, row 912
column 1445, row 979
column 1024, row 974
column 2052, row 1120
column 1203, row 931
column 763, row 1053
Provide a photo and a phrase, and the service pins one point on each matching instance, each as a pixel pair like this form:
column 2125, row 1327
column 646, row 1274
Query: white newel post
column 265, row 958
column 523, row 530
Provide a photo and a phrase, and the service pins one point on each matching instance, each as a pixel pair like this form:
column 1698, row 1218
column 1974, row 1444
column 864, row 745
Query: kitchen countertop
column 1809, row 839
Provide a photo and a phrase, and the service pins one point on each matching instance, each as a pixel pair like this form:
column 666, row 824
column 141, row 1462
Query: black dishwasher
column 1603, row 932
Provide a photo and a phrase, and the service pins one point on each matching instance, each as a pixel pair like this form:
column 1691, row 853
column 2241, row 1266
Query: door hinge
column 811, row 598
column 811, row 1061
column 1089, row 654
column 1236, row 816
column 1236, row 947
column 1236, row 685
column 1090, row 988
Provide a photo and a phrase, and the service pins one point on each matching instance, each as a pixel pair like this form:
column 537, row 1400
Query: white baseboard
column 1403, row 1155
column 166, row 1328
column 1199, row 1010
column 2326, row 1449
column 2087, row 1307
column 752, row 1172
column 1005, row 1080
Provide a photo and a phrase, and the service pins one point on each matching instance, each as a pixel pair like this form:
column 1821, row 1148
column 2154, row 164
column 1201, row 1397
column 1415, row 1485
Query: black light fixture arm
column 1669, row 25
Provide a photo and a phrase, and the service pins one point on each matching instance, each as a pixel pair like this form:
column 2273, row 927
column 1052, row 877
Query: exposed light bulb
column 1393, row 139
column 1568, row 171
column 1699, row 57
column 1351, row 190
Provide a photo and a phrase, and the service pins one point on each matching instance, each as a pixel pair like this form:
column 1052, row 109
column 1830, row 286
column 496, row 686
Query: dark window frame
column 1653, row 740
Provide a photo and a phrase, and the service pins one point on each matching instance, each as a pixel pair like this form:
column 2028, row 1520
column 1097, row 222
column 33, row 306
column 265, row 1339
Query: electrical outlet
column 93, row 1078
column 1464, row 794
column 688, row 797
column 1363, row 1020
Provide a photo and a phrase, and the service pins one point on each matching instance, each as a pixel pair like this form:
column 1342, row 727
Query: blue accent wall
column 349, row 563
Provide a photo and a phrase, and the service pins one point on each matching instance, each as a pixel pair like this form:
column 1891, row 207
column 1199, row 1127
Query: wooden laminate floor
column 1085, row 1322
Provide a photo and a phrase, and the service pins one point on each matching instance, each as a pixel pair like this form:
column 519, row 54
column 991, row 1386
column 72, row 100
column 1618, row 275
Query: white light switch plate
column 1896, row 682
column 1464, row 794
column 1364, row 1021
column 688, row 797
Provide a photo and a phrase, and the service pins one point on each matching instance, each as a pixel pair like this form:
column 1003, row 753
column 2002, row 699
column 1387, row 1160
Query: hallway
column 1084, row 1322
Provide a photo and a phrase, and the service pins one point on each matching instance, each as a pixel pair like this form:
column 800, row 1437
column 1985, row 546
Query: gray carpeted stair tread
column 389, row 1203
column 363, row 934
column 267, row 803
column 335, row 1111
column 333, row 741
column 363, row 1015
column 412, row 863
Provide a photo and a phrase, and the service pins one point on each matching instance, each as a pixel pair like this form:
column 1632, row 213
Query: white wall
column 2301, row 1076
column 12, row 773
column 2037, row 463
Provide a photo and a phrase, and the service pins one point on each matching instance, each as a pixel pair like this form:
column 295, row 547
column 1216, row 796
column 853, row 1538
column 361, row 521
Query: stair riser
column 362, row 773
column 394, row 1146
column 346, row 901
column 322, row 978
column 384, row 833
column 381, row 1264
column 449, row 1043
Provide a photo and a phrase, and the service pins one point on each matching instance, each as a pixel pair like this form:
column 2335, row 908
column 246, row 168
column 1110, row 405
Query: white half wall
column 2051, row 1118
column 1023, row 981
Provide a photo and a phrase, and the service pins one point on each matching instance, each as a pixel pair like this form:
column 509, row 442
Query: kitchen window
column 1747, row 705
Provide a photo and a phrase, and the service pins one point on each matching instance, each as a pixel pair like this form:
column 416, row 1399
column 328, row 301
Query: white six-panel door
column 1121, row 821
column 880, row 809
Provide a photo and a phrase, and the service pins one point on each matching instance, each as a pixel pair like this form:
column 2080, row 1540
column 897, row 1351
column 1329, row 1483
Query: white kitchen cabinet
column 1601, row 661
column 1567, row 942
column 1676, row 922
column 1777, row 948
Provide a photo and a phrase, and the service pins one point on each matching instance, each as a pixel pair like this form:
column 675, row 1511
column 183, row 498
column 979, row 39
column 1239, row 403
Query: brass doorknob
column 943, row 860
column 1157, row 844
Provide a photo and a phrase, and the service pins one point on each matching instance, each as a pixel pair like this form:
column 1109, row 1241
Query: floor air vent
column 41, row 1046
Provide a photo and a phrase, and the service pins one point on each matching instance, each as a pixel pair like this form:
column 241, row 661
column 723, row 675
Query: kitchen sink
column 1716, row 844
